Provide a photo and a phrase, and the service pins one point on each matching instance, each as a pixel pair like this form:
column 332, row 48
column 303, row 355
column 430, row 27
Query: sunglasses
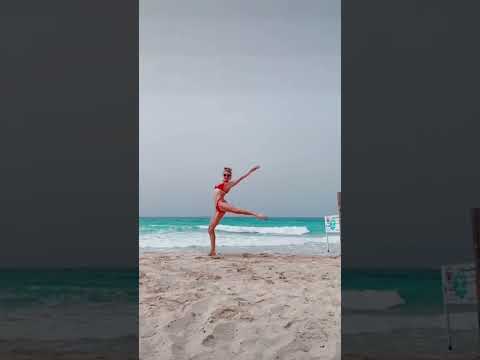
column 227, row 175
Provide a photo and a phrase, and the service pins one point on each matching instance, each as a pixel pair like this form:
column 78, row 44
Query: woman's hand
column 235, row 182
column 254, row 168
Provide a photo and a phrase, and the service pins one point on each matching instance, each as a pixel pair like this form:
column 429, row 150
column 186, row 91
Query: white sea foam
column 374, row 320
column 371, row 299
column 278, row 230
column 187, row 239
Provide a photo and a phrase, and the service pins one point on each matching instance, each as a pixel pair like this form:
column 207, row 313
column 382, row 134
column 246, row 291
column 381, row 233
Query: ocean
column 52, row 287
column 403, row 309
column 237, row 234
column 394, row 290
column 59, row 304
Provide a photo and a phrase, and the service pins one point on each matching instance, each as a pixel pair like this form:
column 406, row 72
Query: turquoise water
column 68, row 304
column 315, row 226
column 52, row 287
column 419, row 289
column 233, row 233
column 404, row 309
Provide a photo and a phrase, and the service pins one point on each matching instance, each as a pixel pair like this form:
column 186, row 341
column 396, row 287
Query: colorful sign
column 332, row 224
column 458, row 282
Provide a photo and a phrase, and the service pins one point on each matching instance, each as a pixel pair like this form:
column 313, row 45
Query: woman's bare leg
column 232, row 209
column 211, row 231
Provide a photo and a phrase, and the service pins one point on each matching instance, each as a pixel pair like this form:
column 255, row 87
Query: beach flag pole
column 328, row 244
column 339, row 211
column 475, row 214
column 339, row 205
column 326, row 231
column 445, row 306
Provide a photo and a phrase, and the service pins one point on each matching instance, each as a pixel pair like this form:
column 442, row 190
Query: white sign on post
column 459, row 284
column 458, row 287
column 332, row 224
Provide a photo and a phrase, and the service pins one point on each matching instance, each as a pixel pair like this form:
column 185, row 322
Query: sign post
column 339, row 204
column 445, row 306
column 328, row 243
column 332, row 225
column 339, row 211
column 458, row 288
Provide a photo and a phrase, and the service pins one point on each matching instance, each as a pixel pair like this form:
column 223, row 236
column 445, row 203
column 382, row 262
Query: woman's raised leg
column 232, row 209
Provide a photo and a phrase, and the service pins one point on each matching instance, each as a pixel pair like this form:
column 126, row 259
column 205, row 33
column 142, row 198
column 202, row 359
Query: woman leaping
column 222, row 206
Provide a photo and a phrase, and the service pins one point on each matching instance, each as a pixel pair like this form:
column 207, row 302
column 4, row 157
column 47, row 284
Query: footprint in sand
column 200, row 306
column 223, row 314
column 293, row 350
column 228, row 313
column 277, row 309
column 241, row 301
column 178, row 346
column 222, row 333
column 209, row 341
column 203, row 356
column 180, row 324
column 147, row 331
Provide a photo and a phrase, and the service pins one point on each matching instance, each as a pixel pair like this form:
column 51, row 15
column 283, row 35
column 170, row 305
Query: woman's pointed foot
column 261, row 217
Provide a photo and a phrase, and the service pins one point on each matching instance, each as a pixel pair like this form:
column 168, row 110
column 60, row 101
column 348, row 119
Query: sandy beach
column 242, row 306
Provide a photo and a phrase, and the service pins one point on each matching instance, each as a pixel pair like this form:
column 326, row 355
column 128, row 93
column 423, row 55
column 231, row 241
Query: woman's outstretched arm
column 236, row 181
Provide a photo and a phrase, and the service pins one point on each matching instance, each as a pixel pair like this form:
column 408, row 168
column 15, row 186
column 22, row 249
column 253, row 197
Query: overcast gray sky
column 239, row 83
